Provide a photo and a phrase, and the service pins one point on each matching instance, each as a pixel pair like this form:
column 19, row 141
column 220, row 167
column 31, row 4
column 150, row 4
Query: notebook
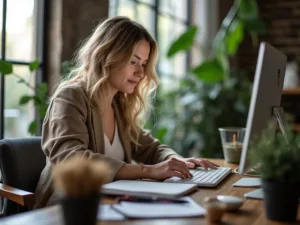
column 147, row 188
column 160, row 210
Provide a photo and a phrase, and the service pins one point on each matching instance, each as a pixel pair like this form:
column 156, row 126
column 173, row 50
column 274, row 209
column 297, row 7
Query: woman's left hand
column 194, row 162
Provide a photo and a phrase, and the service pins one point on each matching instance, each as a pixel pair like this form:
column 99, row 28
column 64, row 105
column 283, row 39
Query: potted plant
column 214, row 93
column 279, row 165
column 77, row 182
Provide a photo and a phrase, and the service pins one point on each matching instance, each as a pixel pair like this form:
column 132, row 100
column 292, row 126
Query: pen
column 149, row 199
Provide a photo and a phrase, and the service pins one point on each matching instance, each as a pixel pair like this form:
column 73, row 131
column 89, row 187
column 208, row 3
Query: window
column 21, row 43
column 165, row 20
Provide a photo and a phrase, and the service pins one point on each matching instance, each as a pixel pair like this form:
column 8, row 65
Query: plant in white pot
column 279, row 166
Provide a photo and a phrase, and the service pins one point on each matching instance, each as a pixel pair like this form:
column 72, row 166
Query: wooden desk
column 251, row 213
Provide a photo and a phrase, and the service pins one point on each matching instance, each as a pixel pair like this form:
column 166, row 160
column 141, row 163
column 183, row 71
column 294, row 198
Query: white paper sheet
column 160, row 210
column 256, row 194
column 107, row 213
column 248, row 182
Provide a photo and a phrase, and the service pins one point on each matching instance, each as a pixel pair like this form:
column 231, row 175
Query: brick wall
column 282, row 19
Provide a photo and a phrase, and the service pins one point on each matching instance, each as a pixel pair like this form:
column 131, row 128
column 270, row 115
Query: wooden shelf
column 291, row 91
column 296, row 127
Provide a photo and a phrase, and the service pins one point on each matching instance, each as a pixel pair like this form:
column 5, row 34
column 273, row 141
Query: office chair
column 21, row 162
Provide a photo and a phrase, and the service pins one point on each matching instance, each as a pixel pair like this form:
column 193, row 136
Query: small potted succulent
column 279, row 165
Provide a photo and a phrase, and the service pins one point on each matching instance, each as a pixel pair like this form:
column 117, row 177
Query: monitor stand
column 278, row 112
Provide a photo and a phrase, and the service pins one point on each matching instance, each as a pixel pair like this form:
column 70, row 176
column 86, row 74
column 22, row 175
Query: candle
column 232, row 151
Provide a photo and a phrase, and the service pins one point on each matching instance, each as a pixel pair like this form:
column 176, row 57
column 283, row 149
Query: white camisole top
column 114, row 149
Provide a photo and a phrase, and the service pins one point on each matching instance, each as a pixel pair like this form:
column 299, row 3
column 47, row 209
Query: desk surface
column 252, row 212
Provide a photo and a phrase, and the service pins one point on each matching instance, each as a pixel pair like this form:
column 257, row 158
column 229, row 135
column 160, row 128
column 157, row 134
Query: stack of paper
column 160, row 210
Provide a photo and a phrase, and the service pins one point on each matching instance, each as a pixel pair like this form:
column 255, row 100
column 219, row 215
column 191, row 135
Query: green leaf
column 5, row 67
column 248, row 9
column 42, row 111
column 161, row 133
column 37, row 100
column 234, row 37
column 42, row 89
column 25, row 99
column 32, row 129
column 210, row 71
column 34, row 65
column 255, row 26
column 184, row 42
column 41, row 94
column 223, row 59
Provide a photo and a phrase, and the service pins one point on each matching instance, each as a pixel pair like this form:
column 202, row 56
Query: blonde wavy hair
column 111, row 45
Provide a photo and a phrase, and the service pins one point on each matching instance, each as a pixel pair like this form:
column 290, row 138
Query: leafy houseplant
column 279, row 166
column 39, row 97
column 214, row 93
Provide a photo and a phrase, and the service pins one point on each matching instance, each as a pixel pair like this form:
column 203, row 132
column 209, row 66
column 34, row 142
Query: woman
column 96, row 112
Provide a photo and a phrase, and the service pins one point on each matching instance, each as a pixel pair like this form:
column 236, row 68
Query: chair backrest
column 21, row 162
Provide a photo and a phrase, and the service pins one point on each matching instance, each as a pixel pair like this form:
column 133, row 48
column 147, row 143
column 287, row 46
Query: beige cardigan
column 73, row 125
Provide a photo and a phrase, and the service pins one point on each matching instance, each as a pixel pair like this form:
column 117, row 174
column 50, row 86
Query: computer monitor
column 265, row 98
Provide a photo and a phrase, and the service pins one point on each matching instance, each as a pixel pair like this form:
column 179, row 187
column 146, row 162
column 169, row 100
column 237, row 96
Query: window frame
column 156, row 8
column 41, row 17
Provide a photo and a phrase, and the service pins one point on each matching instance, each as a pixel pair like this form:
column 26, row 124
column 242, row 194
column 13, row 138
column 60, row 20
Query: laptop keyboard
column 204, row 178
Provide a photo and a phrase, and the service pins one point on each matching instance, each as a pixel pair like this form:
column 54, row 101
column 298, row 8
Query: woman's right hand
column 169, row 168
